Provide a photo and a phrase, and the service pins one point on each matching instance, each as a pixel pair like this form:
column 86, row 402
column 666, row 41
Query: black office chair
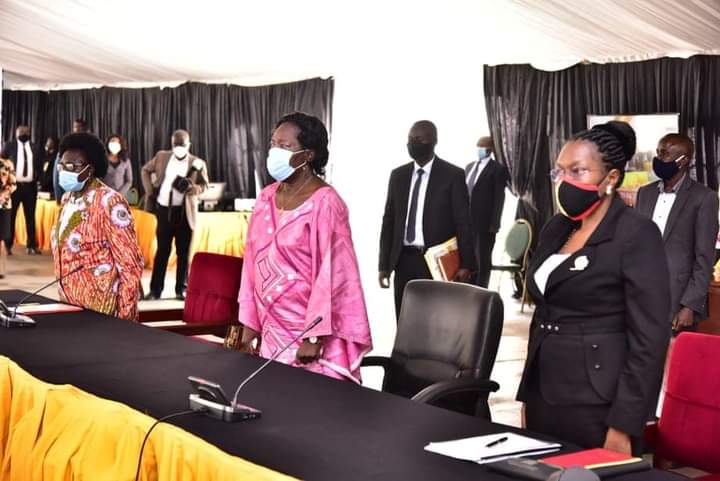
column 445, row 348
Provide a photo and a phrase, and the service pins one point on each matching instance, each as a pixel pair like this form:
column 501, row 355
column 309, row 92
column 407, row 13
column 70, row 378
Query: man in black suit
column 687, row 214
column 427, row 204
column 486, row 179
column 27, row 161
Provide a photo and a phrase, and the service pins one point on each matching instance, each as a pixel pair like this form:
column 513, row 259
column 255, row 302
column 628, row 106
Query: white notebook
column 492, row 447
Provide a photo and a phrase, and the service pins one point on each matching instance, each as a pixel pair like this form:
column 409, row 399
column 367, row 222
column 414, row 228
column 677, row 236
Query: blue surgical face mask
column 278, row 163
column 483, row 152
column 69, row 180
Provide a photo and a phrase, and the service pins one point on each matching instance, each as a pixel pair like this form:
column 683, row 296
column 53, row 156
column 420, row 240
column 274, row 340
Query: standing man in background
column 486, row 179
column 172, row 195
column 686, row 212
column 427, row 204
column 27, row 162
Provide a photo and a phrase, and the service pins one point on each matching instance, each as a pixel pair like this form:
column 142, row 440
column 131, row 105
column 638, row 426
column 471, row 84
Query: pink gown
column 299, row 265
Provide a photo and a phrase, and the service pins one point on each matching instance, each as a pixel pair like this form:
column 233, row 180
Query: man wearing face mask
column 171, row 193
column 686, row 213
column 486, row 179
column 27, row 160
column 427, row 204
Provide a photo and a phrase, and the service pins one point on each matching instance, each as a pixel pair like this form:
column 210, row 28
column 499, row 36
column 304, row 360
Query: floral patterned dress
column 95, row 235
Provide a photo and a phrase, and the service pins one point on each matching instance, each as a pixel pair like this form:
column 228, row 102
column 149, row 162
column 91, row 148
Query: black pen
column 496, row 442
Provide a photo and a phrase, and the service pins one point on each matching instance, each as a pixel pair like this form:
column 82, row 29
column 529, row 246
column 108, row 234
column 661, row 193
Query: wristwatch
column 313, row 340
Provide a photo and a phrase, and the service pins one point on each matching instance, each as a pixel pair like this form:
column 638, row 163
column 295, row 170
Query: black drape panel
column 229, row 125
column 532, row 112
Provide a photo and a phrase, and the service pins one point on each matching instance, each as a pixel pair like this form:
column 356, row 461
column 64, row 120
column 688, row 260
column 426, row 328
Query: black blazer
column 445, row 213
column 488, row 197
column 690, row 234
column 9, row 151
column 600, row 332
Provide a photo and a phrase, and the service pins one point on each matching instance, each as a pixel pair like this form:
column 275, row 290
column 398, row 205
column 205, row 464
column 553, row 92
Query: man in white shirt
column 686, row 212
column 427, row 204
column 171, row 193
column 27, row 160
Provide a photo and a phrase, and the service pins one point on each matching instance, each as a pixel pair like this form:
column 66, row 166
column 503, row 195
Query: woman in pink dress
column 300, row 262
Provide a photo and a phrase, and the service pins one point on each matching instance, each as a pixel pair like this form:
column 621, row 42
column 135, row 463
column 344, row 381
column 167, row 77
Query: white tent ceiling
column 79, row 43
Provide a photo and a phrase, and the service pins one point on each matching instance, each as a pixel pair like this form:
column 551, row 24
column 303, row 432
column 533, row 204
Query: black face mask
column 23, row 138
column 576, row 200
column 420, row 151
column 666, row 170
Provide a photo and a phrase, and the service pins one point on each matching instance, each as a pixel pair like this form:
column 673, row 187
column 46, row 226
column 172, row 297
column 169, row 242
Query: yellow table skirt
column 217, row 232
column 58, row 432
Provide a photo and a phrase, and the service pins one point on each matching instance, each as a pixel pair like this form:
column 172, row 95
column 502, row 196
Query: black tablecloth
column 312, row 427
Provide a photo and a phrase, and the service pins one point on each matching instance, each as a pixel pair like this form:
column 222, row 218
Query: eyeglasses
column 575, row 173
column 71, row 167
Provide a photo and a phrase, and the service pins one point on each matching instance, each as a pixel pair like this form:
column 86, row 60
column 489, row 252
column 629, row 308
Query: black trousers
column 583, row 425
column 26, row 194
column 168, row 229
column 411, row 265
column 484, row 243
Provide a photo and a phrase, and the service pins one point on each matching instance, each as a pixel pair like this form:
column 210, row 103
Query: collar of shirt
column 486, row 159
column 426, row 168
column 676, row 187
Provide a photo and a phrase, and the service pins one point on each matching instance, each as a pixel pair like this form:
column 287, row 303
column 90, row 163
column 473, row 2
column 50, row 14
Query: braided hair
column 616, row 143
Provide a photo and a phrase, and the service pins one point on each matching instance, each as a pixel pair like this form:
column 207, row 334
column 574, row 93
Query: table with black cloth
column 312, row 427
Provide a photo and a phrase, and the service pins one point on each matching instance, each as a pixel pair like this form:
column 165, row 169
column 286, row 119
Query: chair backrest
column 133, row 196
column 446, row 330
column 213, row 286
column 689, row 426
column 518, row 240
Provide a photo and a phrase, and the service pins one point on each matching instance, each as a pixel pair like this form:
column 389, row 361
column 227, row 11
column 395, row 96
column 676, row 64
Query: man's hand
column 308, row 352
column 617, row 441
column 683, row 319
column 384, row 279
column 462, row 275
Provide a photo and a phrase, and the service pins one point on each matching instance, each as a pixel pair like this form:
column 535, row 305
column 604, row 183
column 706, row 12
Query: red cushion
column 213, row 288
column 689, row 427
column 709, row 477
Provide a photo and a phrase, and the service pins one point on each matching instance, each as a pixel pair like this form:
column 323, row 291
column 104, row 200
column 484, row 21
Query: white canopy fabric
column 81, row 43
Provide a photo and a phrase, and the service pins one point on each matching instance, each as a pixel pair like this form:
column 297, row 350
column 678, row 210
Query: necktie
column 25, row 164
column 410, row 228
column 471, row 177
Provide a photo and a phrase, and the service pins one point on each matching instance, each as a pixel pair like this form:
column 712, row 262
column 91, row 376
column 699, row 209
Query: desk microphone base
column 223, row 412
column 18, row 320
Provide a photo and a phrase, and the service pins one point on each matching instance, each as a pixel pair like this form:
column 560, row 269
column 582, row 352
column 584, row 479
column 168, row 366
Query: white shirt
column 664, row 204
column 543, row 273
column 480, row 164
column 175, row 167
column 21, row 161
column 419, row 239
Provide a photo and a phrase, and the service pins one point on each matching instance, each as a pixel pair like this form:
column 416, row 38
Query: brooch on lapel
column 581, row 263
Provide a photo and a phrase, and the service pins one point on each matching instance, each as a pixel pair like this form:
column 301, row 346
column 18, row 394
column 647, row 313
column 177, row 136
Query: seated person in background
column 300, row 262
column 600, row 283
column 119, row 175
column 48, row 165
column 7, row 187
column 95, row 234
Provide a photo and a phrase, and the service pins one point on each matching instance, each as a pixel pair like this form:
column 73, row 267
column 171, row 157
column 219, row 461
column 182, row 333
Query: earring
column 608, row 190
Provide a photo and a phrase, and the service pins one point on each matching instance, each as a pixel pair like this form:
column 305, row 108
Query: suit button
column 594, row 346
column 557, row 328
column 542, row 326
column 597, row 366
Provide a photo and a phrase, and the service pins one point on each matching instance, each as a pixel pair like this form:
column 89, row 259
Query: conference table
column 216, row 232
column 312, row 427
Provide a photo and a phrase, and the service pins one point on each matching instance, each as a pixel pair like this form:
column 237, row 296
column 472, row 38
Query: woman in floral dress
column 94, row 243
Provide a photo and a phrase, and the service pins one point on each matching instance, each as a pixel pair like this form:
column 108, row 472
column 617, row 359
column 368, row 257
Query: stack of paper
column 492, row 447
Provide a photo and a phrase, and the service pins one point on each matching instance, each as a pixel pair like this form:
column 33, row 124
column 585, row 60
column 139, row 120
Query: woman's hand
column 308, row 352
column 246, row 342
column 617, row 441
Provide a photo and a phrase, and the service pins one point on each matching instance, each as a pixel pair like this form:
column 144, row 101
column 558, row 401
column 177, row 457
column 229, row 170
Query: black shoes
column 151, row 296
column 33, row 251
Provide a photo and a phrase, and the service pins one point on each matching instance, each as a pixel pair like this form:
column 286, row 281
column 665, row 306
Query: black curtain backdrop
column 229, row 125
column 532, row 112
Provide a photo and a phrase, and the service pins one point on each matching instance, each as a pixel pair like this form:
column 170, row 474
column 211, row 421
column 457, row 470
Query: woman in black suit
column 600, row 282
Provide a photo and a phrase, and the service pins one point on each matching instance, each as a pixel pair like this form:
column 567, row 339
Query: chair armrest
column 439, row 390
column 650, row 435
column 194, row 329
column 152, row 315
column 381, row 361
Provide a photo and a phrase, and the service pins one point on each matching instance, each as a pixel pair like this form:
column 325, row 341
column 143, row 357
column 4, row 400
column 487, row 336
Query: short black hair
column 313, row 135
column 82, row 122
column 92, row 147
column 616, row 142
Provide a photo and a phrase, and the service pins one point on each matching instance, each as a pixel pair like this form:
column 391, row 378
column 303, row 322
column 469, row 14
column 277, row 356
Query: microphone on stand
column 13, row 319
column 210, row 397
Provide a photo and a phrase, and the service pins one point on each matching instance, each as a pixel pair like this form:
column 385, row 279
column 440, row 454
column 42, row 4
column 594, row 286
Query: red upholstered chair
column 688, row 431
column 210, row 301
